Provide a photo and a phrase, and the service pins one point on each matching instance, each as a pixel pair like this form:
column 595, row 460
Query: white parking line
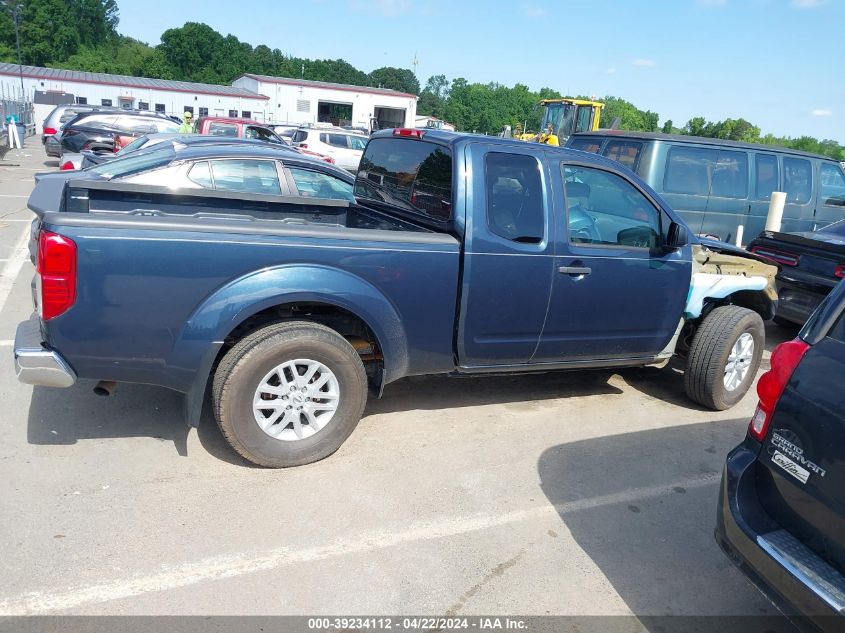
column 233, row 565
column 8, row 343
column 12, row 267
column 14, row 195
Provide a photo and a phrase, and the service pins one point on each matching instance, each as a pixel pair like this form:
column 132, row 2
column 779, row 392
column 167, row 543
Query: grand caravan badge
column 789, row 456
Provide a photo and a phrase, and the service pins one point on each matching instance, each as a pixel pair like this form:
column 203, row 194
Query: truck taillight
column 785, row 359
column 56, row 268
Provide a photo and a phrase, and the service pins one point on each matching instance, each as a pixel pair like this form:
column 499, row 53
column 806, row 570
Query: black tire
column 248, row 362
column 708, row 356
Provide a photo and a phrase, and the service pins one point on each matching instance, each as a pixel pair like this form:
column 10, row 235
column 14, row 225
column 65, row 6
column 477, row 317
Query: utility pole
column 416, row 63
column 14, row 8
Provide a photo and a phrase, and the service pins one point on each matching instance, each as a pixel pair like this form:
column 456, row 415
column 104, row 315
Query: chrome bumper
column 37, row 365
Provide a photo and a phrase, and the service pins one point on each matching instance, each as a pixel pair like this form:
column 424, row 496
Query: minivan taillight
column 48, row 131
column 56, row 269
column 785, row 359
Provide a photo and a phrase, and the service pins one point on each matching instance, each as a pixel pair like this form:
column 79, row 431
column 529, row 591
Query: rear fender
column 205, row 332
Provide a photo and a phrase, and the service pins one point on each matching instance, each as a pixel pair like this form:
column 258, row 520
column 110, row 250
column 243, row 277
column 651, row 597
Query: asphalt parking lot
column 580, row 493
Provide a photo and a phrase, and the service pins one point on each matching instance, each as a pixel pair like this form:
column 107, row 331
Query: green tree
column 401, row 79
column 667, row 127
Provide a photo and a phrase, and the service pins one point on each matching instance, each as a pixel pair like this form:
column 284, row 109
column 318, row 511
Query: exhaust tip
column 105, row 388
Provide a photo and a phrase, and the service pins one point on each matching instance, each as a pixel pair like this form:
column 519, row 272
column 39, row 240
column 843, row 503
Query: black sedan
column 811, row 264
column 97, row 130
column 781, row 515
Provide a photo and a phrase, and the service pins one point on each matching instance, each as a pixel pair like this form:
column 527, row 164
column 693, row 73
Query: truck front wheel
column 289, row 394
column 724, row 357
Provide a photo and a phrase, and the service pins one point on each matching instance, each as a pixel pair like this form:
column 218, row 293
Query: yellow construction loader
column 562, row 118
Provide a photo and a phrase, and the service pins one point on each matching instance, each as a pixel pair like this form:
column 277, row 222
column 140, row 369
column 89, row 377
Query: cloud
column 534, row 11
column 610, row 71
column 822, row 112
column 807, row 4
column 643, row 63
column 384, row 8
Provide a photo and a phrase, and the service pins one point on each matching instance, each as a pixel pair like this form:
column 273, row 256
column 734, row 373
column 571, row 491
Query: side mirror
column 678, row 236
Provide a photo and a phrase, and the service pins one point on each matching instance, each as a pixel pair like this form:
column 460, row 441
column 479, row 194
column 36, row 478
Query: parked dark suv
column 97, row 130
column 781, row 512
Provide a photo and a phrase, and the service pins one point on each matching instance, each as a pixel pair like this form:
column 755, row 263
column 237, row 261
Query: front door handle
column 575, row 270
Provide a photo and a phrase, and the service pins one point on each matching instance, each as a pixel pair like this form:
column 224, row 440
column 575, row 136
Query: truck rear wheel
column 724, row 357
column 289, row 394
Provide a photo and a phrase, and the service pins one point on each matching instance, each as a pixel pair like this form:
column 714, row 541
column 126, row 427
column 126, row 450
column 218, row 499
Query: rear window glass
column 409, row 174
column 797, row 180
column 133, row 164
column 625, row 152
column 591, row 145
column 222, row 129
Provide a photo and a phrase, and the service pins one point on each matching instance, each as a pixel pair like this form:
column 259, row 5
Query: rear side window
column 247, row 176
column 766, row 172
column 797, row 180
column 313, row 184
column 833, row 185
column 357, row 142
column 261, row 134
column 730, row 175
column 687, row 170
column 408, row 174
column 200, row 173
column 222, row 129
column 625, row 152
column 515, row 208
column 98, row 120
column 586, row 144
column 299, row 136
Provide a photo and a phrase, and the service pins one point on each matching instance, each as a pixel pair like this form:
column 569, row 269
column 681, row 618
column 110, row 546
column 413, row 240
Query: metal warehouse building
column 48, row 87
column 259, row 97
column 304, row 101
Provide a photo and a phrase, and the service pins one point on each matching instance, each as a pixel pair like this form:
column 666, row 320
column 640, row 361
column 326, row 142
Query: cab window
column 625, row 152
column 766, row 173
column 605, row 209
column 313, row 184
column 247, row 176
column 832, row 185
column 515, row 208
column 797, row 180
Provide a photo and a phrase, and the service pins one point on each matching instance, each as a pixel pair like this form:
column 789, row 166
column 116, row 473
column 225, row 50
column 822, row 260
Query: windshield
column 134, row 163
column 559, row 117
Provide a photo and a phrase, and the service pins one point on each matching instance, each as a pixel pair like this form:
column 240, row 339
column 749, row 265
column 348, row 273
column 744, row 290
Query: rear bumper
column 795, row 579
column 797, row 301
column 36, row 364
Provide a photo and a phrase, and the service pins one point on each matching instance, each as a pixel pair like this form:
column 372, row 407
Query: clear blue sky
column 778, row 63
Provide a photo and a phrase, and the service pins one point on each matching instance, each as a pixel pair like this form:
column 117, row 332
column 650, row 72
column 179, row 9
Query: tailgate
column 801, row 470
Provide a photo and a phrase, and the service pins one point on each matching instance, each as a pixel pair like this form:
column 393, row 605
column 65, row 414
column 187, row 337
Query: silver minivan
column 718, row 185
column 60, row 115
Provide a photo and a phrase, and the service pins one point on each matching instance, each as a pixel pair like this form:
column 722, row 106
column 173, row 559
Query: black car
column 151, row 142
column 781, row 515
column 811, row 264
column 97, row 130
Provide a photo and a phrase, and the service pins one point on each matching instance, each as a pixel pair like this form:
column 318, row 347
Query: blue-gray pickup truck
column 461, row 254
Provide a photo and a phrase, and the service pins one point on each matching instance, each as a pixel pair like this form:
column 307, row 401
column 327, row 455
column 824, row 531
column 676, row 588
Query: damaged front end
column 720, row 270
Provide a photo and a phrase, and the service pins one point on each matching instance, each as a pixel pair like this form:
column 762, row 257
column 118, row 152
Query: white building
column 48, row 87
column 433, row 123
column 303, row 101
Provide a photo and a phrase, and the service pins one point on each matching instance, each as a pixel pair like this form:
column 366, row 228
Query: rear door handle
column 575, row 270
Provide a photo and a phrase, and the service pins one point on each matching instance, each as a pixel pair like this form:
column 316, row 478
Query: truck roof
column 700, row 140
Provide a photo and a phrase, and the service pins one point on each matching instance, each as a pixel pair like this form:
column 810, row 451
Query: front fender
column 203, row 335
